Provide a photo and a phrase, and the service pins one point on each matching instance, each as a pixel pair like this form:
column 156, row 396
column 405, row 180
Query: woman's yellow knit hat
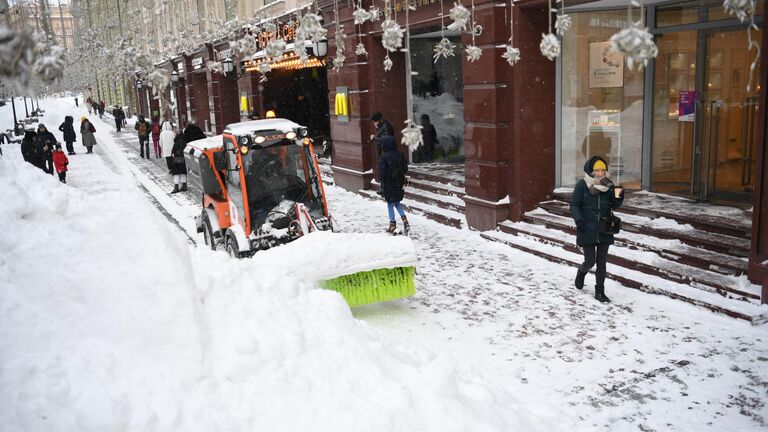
column 599, row 165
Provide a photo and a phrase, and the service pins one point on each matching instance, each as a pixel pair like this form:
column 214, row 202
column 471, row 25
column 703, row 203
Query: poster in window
column 606, row 66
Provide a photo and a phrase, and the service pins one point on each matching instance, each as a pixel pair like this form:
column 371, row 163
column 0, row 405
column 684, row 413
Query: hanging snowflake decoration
column 392, row 38
column 412, row 136
column 310, row 28
column 159, row 79
column 360, row 49
column 375, row 14
column 215, row 66
column 473, row 53
column 511, row 55
column 460, row 16
column 275, row 48
column 361, row 16
column 563, row 24
column 338, row 61
column 444, row 49
column 550, row 46
column 636, row 44
column 743, row 9
column 387, row 63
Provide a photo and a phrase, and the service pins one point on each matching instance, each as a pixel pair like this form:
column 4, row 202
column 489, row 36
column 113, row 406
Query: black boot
column 183, row 187
column 392, row 227
column 600, row 295
column 406, row 225
column 175, row 189
column 579, row 279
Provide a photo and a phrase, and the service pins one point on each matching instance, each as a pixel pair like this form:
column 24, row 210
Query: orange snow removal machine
column 262, row 188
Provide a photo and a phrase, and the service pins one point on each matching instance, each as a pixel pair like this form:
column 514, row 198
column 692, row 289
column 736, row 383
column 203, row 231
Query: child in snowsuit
column 393, row 168
column 60, row 162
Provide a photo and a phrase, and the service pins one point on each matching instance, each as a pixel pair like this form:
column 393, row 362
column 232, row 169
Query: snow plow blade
column 363, row 268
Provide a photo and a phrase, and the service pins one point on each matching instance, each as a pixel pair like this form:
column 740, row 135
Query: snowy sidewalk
column 643, row 362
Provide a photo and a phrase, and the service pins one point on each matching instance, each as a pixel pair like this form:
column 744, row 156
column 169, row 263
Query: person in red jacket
column 60, row 162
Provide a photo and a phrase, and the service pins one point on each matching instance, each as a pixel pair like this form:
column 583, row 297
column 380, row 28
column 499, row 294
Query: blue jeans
column 391, row 210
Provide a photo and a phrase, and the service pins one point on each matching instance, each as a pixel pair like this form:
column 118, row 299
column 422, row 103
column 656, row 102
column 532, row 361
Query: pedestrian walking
column 156, row 138
column 393, row 168
column 60, row 162
column 46, row 141
column 167, row 136
column 76, row 103
column 119, row 116
column 86, row 133
column 177, row 166
column 142, row 129
column 100, row 108
column 68, row 129
column 594, row 197
column 30, row 151
column 383, row 128
column 89, row 105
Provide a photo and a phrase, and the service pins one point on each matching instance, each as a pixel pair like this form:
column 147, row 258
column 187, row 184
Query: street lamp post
column 139, row 86
column 229, row 69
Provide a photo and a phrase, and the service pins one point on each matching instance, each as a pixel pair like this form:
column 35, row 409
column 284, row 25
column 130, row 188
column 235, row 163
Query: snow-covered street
column 115, row 316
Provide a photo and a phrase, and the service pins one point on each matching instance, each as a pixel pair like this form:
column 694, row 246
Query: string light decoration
column 511, row 54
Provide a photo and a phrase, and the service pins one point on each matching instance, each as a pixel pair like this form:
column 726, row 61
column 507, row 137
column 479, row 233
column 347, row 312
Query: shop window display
column 602, row 101
column 438, row 94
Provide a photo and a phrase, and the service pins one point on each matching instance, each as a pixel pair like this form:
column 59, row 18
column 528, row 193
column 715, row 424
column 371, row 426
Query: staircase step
column 716, row 219
column 435, row 213
column 446, row 189
column 712, row 241
column 755, row 314
column 447, row 202
column 646, row 262
column 436, row 176
column 673, row 250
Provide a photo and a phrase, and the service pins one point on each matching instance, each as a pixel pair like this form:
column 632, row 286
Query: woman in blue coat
column 393, row 168
column 594, row 197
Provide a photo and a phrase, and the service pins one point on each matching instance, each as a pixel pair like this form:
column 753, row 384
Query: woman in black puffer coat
column 68, row 128
column 393, row 168
column 176, row 164
column 592, row 198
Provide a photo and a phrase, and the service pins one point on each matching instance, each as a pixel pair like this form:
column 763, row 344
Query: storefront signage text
column 288, row 33
column 606, row 66
column 686, row 109
column 197, row 63
column 221, row 55
column 399, row 6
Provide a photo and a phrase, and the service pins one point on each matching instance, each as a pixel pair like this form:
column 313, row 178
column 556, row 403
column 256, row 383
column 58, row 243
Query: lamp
column 229, row 69
column 174, row 77
column 139, row 84
column 320, row 48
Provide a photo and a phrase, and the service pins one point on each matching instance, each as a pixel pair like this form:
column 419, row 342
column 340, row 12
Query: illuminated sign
column 197, row 63
column 288, row 34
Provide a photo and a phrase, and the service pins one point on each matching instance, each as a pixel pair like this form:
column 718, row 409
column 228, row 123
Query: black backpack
column 396, row 174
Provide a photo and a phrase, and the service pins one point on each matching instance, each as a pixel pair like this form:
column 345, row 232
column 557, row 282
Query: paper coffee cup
column 617, row 191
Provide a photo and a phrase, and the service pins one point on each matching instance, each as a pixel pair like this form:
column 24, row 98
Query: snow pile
column 109, row 321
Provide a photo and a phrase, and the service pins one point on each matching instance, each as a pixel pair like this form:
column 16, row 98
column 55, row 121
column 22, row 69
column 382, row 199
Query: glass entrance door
column 704, row 125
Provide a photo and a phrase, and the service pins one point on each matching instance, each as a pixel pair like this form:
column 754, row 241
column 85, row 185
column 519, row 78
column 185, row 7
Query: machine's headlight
column 244, row 149
column 260, row 139
column 244, row 141
column 303, row 132
column 291, row 135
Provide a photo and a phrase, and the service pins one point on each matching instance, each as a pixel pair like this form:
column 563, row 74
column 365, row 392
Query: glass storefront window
column 438, row 93
column 602, row 101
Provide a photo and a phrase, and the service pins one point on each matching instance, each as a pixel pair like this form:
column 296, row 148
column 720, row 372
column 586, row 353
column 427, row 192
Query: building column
column 197, row 92
column 226, row 102
column 531, row 137
column 758, row 255
column 154, row 105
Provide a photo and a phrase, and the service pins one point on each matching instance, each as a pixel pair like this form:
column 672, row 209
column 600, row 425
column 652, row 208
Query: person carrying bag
column 592, row 204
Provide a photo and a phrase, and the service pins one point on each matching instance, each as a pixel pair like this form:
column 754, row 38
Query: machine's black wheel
column 232, row 248
column 210, row 240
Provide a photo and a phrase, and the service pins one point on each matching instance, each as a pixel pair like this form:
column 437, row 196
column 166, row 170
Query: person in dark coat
column 87, row 132
column 46, row 141
column 77, row 104
column 68, row 129
column 176, row 164
column 30, row 151
column 383, row 128
column 593, row 197
column 429, row 134
column 193, row 133
column 142, row 129
column 393, row 168
column 119, row 116
column 100, row 108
